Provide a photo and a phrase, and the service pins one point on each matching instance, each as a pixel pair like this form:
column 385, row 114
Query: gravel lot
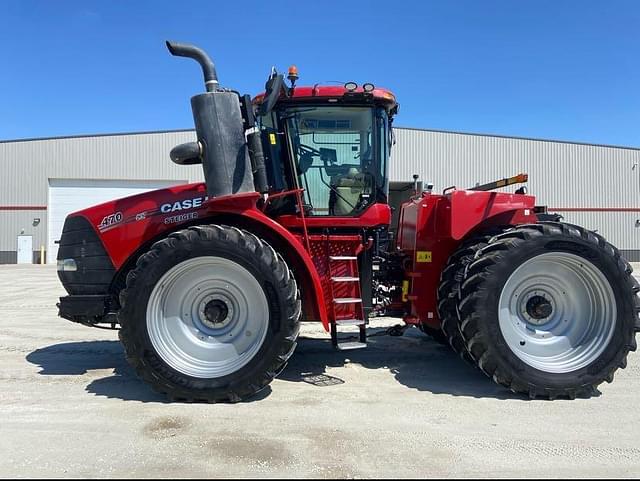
column 405, row 407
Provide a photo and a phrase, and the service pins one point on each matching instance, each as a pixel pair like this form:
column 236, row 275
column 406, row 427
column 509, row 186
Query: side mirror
column 187, row 154
column 273, row 88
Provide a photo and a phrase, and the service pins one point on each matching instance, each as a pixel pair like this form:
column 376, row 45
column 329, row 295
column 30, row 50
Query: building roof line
column 535, row 139
column 83, row 136
column 475, row 134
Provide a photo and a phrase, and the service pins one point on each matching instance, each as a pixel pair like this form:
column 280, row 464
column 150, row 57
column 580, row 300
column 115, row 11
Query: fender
column 470, row 209
column 128, row 226
column 290, row 246
column 433, row 226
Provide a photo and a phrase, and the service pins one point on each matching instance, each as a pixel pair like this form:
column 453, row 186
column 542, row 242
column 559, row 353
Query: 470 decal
column 180, row 205
column 110, row 220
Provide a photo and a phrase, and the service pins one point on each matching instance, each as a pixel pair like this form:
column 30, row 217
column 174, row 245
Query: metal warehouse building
column 43, row 180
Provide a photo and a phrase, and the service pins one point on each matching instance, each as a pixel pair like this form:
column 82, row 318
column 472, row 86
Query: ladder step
column 349, row 322
column 347, row 300
column 345, row 279
column 343, row 258
column 345, row 346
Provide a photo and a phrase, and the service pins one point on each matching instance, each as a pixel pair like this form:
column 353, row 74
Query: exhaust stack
column 220, row 131
column 191, row 51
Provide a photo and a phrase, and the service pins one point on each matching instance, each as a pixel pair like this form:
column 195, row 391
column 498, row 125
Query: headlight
column 67, row 265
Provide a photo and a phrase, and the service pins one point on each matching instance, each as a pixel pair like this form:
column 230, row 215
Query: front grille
column 79, row 241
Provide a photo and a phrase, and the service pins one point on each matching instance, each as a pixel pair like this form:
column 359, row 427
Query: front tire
column 549, row 310
column 211, row 313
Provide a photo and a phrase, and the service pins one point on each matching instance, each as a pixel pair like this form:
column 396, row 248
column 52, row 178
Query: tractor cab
column 331, row 143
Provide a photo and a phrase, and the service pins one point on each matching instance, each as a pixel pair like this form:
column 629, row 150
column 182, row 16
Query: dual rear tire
column 547, row 309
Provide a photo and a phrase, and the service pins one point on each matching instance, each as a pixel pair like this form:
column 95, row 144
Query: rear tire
column 211, row 313
column 449, row 291
column 549, row 310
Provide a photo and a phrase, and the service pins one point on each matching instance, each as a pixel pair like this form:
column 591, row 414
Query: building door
column 70, row 195
column 25, row 249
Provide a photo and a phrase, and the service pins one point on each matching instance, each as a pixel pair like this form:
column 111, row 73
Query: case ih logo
column 109, row 221
column 182, row 205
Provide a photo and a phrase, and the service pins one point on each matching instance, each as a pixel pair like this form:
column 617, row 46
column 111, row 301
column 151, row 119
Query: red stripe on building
column 23, row 207
column 593, row 209
column 551, row 209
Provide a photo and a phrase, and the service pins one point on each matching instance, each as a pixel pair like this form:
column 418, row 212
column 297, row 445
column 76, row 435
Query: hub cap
column 207, row 317
column 557, row 312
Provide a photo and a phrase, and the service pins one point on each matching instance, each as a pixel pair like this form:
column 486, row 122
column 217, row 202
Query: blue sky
column 566, row 70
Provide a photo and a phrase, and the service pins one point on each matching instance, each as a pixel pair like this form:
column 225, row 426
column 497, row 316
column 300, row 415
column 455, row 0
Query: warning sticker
column 423, row 256
column 405, row 290
column 272, row 139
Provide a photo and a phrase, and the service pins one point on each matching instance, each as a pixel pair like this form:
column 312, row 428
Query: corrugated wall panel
column 620, row 228
column 561, row 174
column 27, row 166
column 12, row 223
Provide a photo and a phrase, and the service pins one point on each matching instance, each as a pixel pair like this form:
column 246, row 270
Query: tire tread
column 470, row 308
column 178, row 240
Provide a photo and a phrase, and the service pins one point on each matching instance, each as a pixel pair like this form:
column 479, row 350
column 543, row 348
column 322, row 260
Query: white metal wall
column 561, row 174
column 70, row 195
column 27, row 167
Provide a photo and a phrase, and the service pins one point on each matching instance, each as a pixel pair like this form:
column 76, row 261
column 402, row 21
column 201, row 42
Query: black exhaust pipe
column 200, row 56
column 220, row 130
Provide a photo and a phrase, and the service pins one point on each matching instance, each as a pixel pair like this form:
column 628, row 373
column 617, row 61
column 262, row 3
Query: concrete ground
column 405, row 407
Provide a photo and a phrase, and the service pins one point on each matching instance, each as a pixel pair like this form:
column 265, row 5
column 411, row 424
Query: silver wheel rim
column 557, row 312
column 207, row 317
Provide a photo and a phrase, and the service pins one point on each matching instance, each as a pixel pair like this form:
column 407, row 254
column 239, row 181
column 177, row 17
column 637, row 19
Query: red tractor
column 209, row 282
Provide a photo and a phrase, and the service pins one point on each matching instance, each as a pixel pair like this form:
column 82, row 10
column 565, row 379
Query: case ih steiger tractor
column 209, row 281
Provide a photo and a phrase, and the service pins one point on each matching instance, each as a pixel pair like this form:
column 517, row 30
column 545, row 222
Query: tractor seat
column 349, row 188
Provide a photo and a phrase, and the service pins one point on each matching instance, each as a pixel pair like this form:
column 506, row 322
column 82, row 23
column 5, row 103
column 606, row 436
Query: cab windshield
column 340, row 157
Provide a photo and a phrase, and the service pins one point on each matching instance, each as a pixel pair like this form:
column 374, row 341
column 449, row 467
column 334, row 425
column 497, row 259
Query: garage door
column 70, row 195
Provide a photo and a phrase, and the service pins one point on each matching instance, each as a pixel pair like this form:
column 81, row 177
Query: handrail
column 302, row 217
column 284, row 193
column 298, row 194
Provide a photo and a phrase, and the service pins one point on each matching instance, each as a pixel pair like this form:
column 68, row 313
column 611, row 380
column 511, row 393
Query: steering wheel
column 305, row 157
column 305, row 149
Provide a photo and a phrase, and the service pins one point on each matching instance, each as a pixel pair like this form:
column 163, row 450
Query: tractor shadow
column 415, row 360
column 82, row 358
